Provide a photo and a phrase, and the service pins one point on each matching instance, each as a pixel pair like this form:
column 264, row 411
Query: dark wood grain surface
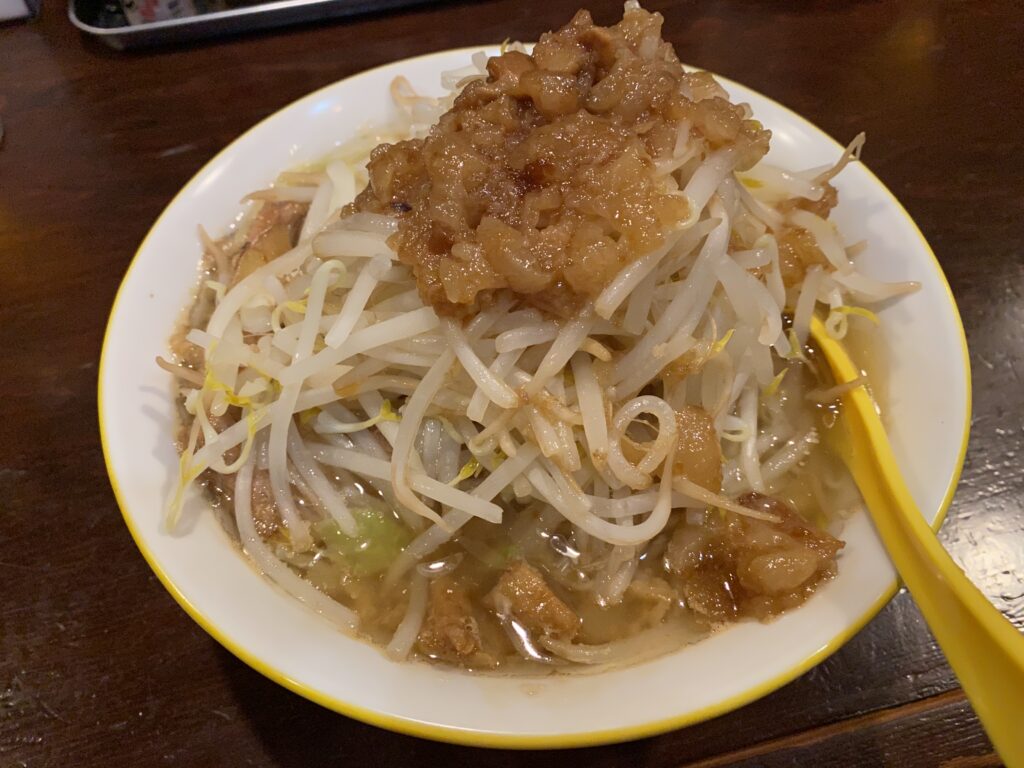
column 99, row 667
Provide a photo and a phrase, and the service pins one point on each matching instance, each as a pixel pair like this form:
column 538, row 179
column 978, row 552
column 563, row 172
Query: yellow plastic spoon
column 984, row 649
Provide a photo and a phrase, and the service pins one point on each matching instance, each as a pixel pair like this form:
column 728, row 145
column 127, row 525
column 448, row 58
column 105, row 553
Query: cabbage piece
column 380, row 536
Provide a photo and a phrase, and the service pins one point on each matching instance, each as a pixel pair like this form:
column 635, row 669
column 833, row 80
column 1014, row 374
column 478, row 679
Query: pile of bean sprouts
column 451, row 421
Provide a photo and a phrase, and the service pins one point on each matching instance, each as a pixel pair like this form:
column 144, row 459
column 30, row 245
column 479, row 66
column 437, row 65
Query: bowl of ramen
column 467, row 393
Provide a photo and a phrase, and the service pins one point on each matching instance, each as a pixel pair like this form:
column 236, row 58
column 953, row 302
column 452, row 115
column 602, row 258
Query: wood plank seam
column 825, row 732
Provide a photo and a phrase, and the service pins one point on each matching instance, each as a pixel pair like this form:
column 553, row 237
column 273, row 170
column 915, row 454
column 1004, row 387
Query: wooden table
column 99, row 667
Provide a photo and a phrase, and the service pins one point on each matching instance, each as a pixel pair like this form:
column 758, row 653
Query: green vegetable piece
column 378, row 540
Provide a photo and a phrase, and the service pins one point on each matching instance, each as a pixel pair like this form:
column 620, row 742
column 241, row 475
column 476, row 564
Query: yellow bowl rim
column 493, row 739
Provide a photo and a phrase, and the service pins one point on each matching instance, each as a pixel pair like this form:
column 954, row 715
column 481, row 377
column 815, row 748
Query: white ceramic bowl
column 928, row 416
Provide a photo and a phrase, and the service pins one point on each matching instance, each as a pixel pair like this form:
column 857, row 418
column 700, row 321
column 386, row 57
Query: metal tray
column 95, row 18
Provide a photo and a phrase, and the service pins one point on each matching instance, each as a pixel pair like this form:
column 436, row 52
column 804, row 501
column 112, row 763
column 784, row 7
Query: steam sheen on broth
column 527, row 387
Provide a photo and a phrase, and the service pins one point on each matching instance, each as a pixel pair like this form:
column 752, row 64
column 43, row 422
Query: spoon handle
column 983, row 648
